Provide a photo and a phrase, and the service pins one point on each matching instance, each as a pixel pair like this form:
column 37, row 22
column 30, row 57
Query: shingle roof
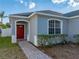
column 23, row 14
column 73, row 13
column 43, row 11
column 50, row 12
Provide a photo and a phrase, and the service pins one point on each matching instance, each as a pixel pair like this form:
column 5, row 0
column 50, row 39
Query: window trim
column 61, row 25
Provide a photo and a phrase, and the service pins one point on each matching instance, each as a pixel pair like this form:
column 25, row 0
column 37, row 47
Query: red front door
column 20, row 32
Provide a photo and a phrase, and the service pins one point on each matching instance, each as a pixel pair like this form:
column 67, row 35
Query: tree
column 2, row 16
column 8, row 25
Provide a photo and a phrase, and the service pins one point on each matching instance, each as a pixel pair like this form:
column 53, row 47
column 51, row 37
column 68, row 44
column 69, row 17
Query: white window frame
column 61, row 25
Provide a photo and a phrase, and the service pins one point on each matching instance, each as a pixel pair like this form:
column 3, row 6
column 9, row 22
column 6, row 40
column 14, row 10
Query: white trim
column 61, row 27
column 74, row 16
column 58, row 15
column 16, row 27
column 46, row 15
column 39, row 14
column 13, row 40
column 28, row 31
column 23, row 16
column 35, row 40
column 61, row 22
column 18, row 16
column 53, row 15
column 47, row 26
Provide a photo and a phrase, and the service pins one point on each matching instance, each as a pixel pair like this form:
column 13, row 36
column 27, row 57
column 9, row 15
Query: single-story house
column 26, row 26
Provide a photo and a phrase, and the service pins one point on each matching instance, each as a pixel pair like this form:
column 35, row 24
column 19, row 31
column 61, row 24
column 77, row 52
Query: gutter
column 43, row 14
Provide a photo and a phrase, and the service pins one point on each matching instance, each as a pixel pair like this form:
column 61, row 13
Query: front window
column 54, row 27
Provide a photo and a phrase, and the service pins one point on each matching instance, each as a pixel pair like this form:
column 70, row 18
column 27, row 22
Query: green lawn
column 9, row 50
column 5, row 42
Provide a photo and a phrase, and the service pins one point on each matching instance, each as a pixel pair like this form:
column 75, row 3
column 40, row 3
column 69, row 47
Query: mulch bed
column 67, row 51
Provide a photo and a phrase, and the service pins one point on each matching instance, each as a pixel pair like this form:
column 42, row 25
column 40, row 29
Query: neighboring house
column 26, row 26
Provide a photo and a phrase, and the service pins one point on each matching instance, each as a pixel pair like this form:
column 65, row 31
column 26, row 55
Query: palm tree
column 2, row 16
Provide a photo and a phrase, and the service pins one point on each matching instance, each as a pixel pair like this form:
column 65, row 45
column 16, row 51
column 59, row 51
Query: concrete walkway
column 32, row 52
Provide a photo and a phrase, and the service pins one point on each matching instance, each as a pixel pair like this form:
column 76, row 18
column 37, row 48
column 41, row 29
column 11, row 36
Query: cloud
column 73, row 3
column 58, row 1
column 29, row 4
column 21, row 1
column 32, row 5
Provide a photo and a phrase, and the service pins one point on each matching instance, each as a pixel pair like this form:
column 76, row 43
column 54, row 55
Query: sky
column 21, row 6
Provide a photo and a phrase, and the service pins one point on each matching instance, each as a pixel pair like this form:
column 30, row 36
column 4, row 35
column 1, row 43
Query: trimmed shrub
column 43, row 39
column 76, row 37
column 49, row 40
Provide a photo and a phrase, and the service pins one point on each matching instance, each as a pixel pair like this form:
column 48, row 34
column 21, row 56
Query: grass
column 5, row 42
column 9, row 50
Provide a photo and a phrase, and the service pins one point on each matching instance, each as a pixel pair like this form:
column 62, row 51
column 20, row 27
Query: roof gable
column 71, row 14
column 43, row 11
column 50, row 12
column 23, row 14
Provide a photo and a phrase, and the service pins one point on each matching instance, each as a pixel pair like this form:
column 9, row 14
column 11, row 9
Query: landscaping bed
column 9, row 50
column 67, row 51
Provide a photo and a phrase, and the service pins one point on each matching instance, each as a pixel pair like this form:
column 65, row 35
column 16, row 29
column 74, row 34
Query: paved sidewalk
column 32, row 52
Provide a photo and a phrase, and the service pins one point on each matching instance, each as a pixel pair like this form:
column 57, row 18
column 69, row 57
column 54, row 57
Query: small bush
column 43, row 39
column 49, row 40
column 76, row 37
